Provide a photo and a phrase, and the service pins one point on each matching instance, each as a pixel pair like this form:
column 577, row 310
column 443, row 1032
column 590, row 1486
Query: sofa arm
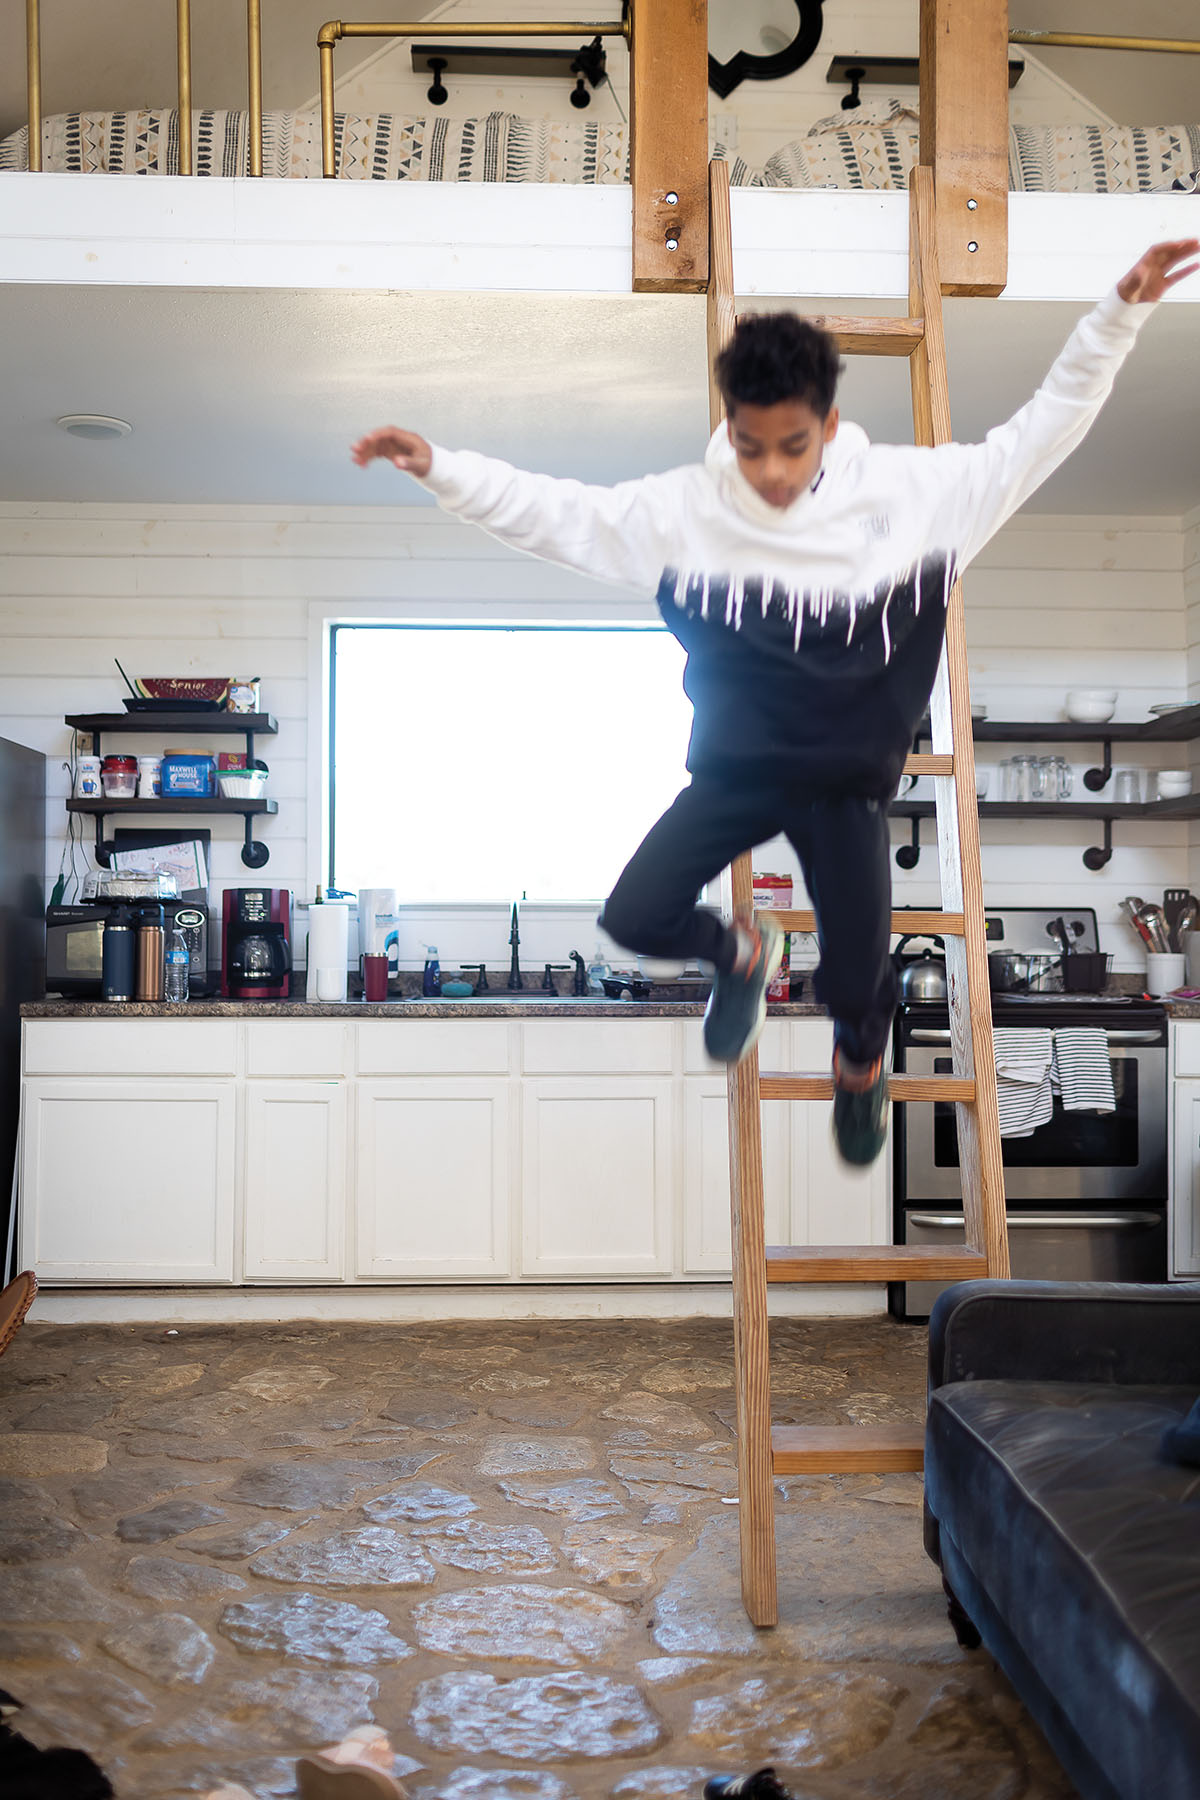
column 1101, row 1331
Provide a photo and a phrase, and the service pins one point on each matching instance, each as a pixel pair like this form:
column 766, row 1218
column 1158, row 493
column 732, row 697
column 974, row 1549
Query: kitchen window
column 487, row 763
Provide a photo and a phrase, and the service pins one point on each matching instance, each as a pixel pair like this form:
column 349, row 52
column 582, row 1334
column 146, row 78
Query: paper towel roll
column 372, row 903
column 328, row 949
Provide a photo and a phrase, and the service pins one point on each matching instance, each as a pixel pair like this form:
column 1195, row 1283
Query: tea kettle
column 921, row 977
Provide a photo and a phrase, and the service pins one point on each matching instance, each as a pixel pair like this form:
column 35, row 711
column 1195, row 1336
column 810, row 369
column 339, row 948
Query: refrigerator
column 22, row 941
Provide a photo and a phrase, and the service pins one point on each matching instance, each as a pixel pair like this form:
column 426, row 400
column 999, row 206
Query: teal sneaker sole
column 737, row 1006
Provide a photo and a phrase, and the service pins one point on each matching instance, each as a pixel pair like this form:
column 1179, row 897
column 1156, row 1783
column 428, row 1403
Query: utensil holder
column 1085, row 971
column 1164, row 973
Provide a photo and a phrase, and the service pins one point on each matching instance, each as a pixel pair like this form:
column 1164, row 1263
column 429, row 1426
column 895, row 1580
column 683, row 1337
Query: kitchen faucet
column 579, row 984
column 515, row 979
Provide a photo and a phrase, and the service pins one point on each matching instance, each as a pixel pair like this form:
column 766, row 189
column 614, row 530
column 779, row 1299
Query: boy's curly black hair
column 778, row 356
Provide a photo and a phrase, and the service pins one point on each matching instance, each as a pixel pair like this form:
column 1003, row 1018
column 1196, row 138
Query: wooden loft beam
column 964, row 138
column 668, row 95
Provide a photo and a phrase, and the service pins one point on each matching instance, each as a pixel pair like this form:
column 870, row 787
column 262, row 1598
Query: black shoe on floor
column 860, row 1111
column 737, row 1006
column 762, row 1785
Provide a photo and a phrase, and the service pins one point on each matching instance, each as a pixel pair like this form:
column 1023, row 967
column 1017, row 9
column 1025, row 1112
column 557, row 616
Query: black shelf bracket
column 909, row 855
column 1096, row 857
column 1095, row 779
column 254, row 854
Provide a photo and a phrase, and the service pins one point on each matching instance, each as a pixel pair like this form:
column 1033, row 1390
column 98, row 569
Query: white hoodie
column 812, row 631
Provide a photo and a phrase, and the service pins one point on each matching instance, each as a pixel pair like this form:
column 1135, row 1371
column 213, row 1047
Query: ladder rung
column 873, row 1262
column 782, row 1086
column 904, row 924
column 929, row 762
column 872, row 337
column 829, row 1449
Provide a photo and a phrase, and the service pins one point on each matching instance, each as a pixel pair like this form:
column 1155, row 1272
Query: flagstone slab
column 429, row 1412
column 117, row 1490
column 540, row 1411
column 490, row 1549
column 504, row 1455
column 497, row 1784
column 373, row 1556
column 163, row 1380
column 285, row 1709
column 614, row 1556
column 423, row 1500
column 20, row 1647
column 328, row 1483
column 50, row 1453
column 37, row 1536
column 664, row 1418
column 534, row 1718
column 577, row 1500
column 527, row 1623
column 171, row 1648
column 235, row 1546
column 171, row 1518
column 688, row 1375
column 67, row 1415
column 664, row 1783
column 285, row 1384
column 47, row 1594
column 820, row 1720
column 87, row 1714
column 166, row 1578
column 312, row 1630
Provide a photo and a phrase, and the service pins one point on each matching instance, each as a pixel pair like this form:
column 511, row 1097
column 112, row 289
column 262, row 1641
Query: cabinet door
column 1185, row 1184
column 295, row 1195
column 599, row 1176
column 707, row 1224
column 433, row 1177
column 128, row 1180
column 831, row 1204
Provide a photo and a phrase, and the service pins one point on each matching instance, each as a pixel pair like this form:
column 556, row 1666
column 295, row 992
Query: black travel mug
column 118, row 956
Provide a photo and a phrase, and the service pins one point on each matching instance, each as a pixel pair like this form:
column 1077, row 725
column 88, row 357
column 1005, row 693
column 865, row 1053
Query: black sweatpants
column 843, row 847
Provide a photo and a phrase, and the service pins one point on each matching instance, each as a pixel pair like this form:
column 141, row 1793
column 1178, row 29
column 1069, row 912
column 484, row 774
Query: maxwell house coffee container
column 773, row 893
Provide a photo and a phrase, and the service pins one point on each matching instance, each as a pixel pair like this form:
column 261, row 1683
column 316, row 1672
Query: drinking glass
column 1026, row 778
column 1127, row 788
column 1056, row 777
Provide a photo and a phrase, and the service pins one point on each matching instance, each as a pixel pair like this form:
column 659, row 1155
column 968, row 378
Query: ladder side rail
column 980, row 1155
column 751, row 1345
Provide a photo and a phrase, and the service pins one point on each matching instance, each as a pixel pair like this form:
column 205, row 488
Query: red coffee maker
column 256, row 943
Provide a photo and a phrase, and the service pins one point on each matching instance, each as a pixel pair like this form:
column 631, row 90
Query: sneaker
column 860, row 1110
column 737, row 1006
column 762, row 1785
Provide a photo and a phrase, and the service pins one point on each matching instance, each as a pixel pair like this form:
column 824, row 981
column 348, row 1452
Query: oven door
column 1078, row 1244
column 1077, row 1157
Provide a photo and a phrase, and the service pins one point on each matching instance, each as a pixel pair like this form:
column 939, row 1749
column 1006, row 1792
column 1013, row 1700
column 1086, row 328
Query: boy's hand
column 404, row 448
column 1150, row 277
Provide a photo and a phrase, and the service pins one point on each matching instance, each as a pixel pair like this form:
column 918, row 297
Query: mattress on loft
column 500, row 146
column 873, row 150
column 877, row 146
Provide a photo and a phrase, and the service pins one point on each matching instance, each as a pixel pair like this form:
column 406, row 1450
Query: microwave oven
column 75, row 947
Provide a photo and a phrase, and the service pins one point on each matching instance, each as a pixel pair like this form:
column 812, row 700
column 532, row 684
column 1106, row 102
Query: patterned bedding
column 874, row 149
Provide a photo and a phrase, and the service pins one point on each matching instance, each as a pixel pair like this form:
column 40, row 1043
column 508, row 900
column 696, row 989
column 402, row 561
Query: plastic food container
column 186, row 774
column 87, row 778
column 118, row 777
column 243, row 784
column 148, row 776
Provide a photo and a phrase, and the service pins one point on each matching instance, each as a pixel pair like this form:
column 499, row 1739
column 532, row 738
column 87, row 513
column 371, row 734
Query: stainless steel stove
column 1086, row 1192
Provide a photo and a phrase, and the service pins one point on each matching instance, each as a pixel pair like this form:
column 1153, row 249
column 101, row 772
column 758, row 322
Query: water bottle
column 178, row 965
column 431, row 979
column 118, row 956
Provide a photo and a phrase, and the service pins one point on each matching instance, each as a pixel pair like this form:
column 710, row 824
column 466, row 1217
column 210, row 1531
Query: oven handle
column 1126, row 1221
column 918, row 1034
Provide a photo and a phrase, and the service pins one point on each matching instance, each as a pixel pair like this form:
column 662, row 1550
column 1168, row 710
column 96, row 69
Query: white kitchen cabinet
column 1185, row 1182
column 600, row 1173
column 433, row 1187
column 809, row 1195
column 128, row 1180
column 294, row 1134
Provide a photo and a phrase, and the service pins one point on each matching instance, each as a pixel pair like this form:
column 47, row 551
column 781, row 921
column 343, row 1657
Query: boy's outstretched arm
column 620, row 534
column 986, row 483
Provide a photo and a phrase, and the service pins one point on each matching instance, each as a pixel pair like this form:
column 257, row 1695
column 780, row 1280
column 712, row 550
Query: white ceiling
column 254, row 397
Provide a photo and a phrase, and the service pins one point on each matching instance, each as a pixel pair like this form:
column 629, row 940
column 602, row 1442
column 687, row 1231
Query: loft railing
column 668, row 120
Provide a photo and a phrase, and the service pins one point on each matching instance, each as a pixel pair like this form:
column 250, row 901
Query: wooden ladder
column 764, row 1451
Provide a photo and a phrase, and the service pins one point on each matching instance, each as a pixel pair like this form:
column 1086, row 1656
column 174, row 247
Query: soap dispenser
column 431, row 980
column 597, row 970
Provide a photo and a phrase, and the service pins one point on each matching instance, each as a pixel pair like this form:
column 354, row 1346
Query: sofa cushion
column 1086, row 1541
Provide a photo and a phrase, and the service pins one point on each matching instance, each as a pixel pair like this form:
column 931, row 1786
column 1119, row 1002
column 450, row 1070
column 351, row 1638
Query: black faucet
column 579, row 986
column 481, row 981
column 515, row 979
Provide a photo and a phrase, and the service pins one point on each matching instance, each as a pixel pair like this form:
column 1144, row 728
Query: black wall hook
column 439, row 93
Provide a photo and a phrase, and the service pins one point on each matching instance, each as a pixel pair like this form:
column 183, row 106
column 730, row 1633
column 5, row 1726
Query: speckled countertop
column 502, row 1006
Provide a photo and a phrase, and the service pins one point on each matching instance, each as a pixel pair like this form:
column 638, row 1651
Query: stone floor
column 509, row 1545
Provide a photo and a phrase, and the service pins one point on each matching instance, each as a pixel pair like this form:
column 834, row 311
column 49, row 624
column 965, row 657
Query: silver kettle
column 922, row 977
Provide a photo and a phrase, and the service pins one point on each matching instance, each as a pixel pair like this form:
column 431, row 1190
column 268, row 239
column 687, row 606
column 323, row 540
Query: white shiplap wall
column 1052, row 603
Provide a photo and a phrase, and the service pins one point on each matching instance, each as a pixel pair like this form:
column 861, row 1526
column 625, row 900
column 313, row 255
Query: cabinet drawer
column 433, row 1047
column 297, row 1047
column 598, row 1046
column 772, row 1048
column 130, row 1046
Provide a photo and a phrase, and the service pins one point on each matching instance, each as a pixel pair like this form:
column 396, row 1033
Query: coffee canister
column 87, row 778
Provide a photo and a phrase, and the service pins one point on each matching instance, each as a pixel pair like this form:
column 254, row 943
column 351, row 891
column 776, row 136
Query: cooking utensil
column 1177, row 902
column 1057, row 928
column 1154, row 919
column 1024, row 972
column 1130, row 906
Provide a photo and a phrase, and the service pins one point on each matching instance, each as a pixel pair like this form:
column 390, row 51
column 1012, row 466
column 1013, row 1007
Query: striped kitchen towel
column 1023, row 1061
column 1082, row 1072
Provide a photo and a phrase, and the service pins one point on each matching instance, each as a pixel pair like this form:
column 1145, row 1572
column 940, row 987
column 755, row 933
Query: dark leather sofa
column 1068, row 1541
